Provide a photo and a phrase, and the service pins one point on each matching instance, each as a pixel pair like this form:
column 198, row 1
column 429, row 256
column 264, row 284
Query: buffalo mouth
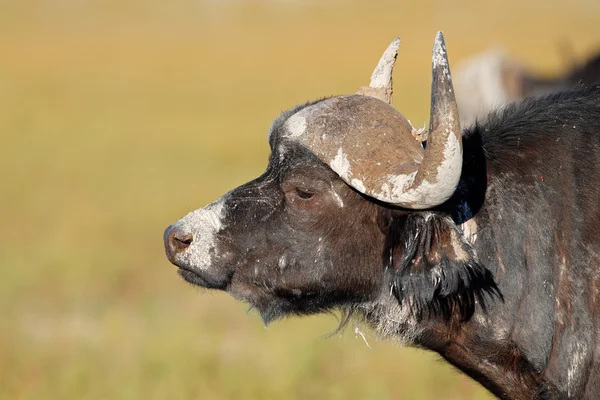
column 198, row 279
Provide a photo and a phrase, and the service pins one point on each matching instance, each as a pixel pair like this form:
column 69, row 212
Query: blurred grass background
column 118, row 117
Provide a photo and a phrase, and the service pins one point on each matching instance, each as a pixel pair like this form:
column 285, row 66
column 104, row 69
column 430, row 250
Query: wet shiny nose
column 176, row 241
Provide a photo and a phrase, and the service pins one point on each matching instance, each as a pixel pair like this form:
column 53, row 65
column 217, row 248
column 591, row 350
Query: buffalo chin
column 200, row 280
column 312, row 303
column 279, row 309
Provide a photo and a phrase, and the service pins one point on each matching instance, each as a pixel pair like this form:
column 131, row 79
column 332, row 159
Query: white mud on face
column 203, row 224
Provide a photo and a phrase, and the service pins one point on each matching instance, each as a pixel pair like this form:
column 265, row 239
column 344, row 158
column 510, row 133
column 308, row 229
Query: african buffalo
column 482, row 245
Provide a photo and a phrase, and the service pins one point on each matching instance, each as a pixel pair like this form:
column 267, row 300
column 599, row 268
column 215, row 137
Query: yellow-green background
column 118, row 117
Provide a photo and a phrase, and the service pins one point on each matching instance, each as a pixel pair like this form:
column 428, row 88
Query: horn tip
column 382, row 75
column 440, row 56
column 392, row 51
column 439, row 36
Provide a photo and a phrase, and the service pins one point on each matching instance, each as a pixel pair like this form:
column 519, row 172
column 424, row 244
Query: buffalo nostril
column 177, row 241
column 183, row 241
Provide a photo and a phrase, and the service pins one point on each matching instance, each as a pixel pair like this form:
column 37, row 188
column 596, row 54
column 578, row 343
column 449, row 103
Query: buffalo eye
column 303, row 190
column 304, row 194
column 300, row 196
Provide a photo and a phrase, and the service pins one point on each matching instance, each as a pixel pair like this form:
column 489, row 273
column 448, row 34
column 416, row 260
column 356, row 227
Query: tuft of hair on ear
column 434, row 270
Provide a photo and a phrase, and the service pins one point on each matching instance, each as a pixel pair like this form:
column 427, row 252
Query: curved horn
column 381, row 79
column 369, row 144
column 439, row 173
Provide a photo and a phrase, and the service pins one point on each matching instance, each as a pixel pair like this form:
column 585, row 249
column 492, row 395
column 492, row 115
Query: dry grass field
column 118, row 117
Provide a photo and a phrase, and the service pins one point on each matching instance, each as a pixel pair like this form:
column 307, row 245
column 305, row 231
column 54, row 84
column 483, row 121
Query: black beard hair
column 441, row 288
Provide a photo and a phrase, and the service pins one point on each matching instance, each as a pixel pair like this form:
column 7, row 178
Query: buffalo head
column 347, row 212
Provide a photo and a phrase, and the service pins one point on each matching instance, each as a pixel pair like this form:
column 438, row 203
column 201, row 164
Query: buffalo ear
column 435, row 271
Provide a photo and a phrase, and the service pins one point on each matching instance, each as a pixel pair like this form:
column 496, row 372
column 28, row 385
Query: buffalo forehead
column 363, row 139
